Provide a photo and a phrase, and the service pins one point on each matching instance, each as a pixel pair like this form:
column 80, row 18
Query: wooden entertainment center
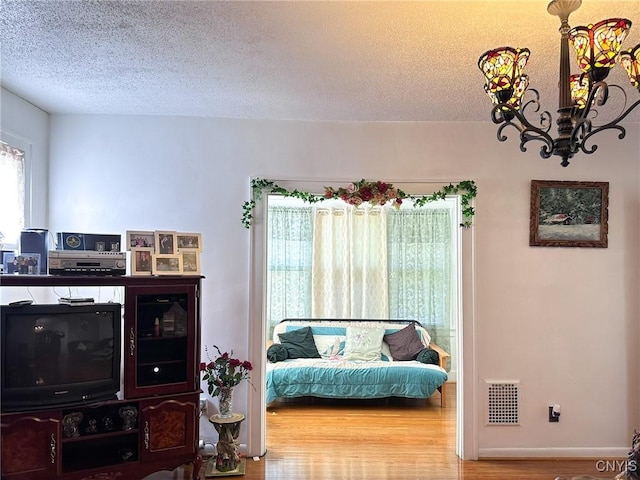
column 154, row 423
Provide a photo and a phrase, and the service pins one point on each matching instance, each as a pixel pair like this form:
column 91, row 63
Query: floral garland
column 375, row 193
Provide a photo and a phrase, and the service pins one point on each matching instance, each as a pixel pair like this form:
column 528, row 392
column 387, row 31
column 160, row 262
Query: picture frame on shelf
column 141, row 260
column 189, row 241
column 165, row 242
column 140, row 239
column 162, row 264
column 21, row 264
column 569, row 214
column 190, row 262
column 8, row 265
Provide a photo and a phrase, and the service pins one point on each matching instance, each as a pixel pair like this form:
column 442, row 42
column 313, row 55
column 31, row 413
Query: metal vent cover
column 503, row 399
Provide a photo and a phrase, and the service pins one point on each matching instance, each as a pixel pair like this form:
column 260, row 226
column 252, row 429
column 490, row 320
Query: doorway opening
column 256, row 444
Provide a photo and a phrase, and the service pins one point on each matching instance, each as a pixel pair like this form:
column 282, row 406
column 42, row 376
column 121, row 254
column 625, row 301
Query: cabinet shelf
column 165, row 338
column 112, row 450
column 99, row 436
column 160, row 363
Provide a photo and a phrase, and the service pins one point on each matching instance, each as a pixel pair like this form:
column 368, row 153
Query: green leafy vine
column 363, row 191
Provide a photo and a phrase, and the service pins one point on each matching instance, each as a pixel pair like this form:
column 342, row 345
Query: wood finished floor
column 379, row 440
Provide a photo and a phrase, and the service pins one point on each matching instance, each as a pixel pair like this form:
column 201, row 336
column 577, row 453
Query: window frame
column 26, row 146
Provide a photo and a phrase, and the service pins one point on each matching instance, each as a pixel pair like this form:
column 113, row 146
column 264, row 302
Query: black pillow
column 299, row 343
column 404, row 344
column 276, row 353
column 428, row 355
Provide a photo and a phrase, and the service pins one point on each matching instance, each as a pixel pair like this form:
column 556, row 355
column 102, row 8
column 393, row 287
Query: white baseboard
column 554, row 452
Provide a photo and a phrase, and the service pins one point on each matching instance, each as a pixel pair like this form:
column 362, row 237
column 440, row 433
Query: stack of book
column 76, row 301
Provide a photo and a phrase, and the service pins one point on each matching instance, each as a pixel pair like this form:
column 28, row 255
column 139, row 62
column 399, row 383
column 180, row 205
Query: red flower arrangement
column 224, row 372
column 376, row 193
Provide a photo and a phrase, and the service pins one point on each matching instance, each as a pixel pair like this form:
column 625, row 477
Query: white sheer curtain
column 423, row 269
column 289, row 254
column 349, row 263
column 367, row 262
column 12, row 172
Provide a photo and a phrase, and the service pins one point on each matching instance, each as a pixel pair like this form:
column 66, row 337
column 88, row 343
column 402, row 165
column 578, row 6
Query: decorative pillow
column 330, row 347
column 299, row 343
column 428, row 355
column 276, row 353
column 363, row 343
column 404, row 344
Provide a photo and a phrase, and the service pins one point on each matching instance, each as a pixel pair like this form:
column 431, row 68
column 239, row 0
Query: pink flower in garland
column 375, row 193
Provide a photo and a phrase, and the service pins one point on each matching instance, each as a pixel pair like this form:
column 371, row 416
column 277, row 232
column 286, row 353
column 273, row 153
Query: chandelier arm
column 546, row 150
column 501, row 137
column 498, row 116
column 534, row 104
column 599, row 90
column 527, row 130
column 581, row 129
column 607, row 126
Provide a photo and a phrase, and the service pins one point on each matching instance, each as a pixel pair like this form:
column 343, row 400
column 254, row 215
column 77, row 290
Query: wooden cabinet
column 168, row 426
column 30, row 445
column 160, row 332
column 155, row 424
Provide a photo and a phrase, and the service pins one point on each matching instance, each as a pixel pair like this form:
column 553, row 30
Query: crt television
column 59, row 355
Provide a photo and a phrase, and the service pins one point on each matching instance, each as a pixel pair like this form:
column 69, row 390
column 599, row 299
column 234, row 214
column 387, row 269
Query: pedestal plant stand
column 227, row 460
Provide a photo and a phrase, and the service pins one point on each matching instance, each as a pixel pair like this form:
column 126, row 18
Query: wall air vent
column 503, row 402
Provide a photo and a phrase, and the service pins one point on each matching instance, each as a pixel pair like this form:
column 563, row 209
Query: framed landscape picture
column 569, row 214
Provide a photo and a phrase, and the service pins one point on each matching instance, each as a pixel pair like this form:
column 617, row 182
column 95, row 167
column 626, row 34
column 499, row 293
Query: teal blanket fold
column 314, row 377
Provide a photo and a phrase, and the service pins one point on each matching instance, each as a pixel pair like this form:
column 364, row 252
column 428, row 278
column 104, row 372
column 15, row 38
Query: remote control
column 20, row 303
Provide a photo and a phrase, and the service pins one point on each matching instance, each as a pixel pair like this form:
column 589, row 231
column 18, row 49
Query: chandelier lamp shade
column 598, row 47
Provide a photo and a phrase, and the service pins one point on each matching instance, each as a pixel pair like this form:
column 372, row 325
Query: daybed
column 356, row 359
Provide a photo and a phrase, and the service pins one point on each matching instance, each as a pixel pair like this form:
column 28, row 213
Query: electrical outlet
column 554, row 413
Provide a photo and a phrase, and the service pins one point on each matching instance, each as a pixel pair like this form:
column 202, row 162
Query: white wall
column 562, row 321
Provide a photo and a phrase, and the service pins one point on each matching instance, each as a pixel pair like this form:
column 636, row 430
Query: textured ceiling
column 337, row 60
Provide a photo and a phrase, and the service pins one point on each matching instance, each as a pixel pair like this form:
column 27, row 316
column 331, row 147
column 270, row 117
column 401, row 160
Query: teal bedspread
column 340, row 378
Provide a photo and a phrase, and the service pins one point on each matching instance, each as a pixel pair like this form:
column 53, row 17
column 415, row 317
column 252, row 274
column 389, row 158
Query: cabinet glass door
column 161, row 338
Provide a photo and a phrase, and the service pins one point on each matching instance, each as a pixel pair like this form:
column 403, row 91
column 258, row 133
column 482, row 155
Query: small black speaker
column 35, row 240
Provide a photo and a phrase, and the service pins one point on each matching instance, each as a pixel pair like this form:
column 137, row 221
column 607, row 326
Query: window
column 12, row 194
column 335, row 261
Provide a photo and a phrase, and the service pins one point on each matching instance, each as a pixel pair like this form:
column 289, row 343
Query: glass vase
column 225, row 403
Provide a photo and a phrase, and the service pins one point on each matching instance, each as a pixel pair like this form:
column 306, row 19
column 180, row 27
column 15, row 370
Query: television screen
column 59, row 354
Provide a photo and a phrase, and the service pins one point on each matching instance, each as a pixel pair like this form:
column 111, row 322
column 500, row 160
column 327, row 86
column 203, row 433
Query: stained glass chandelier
column 598, row 48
